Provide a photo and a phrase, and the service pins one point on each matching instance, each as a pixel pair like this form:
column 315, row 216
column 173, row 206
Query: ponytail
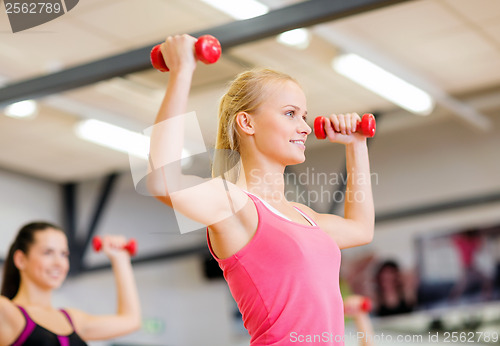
column 25, row 238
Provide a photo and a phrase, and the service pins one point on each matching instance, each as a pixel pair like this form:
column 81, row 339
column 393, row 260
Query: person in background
column 37, row 263
column 468, row 245
column 393, row 296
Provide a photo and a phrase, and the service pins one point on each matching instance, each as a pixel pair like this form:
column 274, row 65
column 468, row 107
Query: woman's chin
column 56, row 283
column 296, row 161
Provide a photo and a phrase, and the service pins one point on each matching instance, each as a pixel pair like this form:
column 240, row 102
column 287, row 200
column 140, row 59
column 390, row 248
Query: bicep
column 346, row 233
column 343, row 231
column 11, row 321
column 102, row 327
column 4, row 323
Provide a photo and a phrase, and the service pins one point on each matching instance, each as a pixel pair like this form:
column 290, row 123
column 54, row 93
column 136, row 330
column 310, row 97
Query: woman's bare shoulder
column 11, row 321
column 5, row 304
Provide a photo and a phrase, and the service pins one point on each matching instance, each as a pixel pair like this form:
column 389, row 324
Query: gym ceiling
column 93, row 63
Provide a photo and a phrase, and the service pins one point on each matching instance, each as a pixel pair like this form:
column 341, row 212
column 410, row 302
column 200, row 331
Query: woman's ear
column 19, row 259
column 245, row 123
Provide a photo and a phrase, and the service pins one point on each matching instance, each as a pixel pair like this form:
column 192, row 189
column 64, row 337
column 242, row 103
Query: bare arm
column 127, row 318
column 11, row 322
column 167, row 135
column 357, row 226
column 352, row 309
column 358, row 204
column 186, row 194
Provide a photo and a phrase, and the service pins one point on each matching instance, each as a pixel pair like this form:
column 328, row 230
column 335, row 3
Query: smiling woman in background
column 37, row 263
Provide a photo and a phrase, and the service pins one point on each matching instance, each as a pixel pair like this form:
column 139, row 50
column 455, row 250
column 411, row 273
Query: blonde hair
column 245, row 94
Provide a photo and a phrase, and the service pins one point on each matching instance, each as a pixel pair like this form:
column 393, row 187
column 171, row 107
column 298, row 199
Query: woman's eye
column 290, row 113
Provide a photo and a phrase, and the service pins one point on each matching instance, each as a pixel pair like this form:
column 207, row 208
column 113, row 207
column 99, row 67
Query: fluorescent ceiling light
column 23, row 109
column 384, row 83
column 114, row 137
column 119, row 139
column 239, row 9
column 298, row 38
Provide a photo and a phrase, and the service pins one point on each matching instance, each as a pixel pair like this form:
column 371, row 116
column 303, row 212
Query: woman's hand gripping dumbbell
column 357, row 304
column 366, row 126
column 206, row 49
column 130, row 246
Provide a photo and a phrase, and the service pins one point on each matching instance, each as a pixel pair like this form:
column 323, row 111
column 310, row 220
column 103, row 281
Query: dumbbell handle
column 206, row 49
column 366, row 126
column 131, row 246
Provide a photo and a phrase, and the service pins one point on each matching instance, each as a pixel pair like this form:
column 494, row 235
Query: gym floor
column 435, row 175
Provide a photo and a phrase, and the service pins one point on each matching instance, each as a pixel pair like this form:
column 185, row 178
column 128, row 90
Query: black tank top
column 36, row 335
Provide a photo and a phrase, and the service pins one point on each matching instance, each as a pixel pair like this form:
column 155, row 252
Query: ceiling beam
column 299, row 15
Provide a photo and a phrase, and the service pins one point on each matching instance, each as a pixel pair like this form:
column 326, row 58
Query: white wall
column 24, row 199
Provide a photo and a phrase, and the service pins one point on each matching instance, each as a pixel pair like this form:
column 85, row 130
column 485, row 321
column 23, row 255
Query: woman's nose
column 305, row 128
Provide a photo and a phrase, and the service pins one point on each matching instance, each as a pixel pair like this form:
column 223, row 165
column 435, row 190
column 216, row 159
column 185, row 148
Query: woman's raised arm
column 187, row 194
column 127, row 318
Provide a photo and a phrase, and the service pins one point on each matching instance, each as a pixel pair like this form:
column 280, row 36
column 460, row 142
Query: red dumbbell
column 207, row 50
column 366, row 126
column 131, row 246
column 366, row 305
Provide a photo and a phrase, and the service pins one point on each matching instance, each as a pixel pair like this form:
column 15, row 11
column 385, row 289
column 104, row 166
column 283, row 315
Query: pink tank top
column 286, row 283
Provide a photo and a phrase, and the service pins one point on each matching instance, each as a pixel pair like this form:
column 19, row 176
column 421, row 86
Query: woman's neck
column 30, row 295
column 263, row 179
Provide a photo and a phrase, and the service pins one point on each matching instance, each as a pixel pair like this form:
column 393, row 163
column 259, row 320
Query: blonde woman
column 281, row 259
